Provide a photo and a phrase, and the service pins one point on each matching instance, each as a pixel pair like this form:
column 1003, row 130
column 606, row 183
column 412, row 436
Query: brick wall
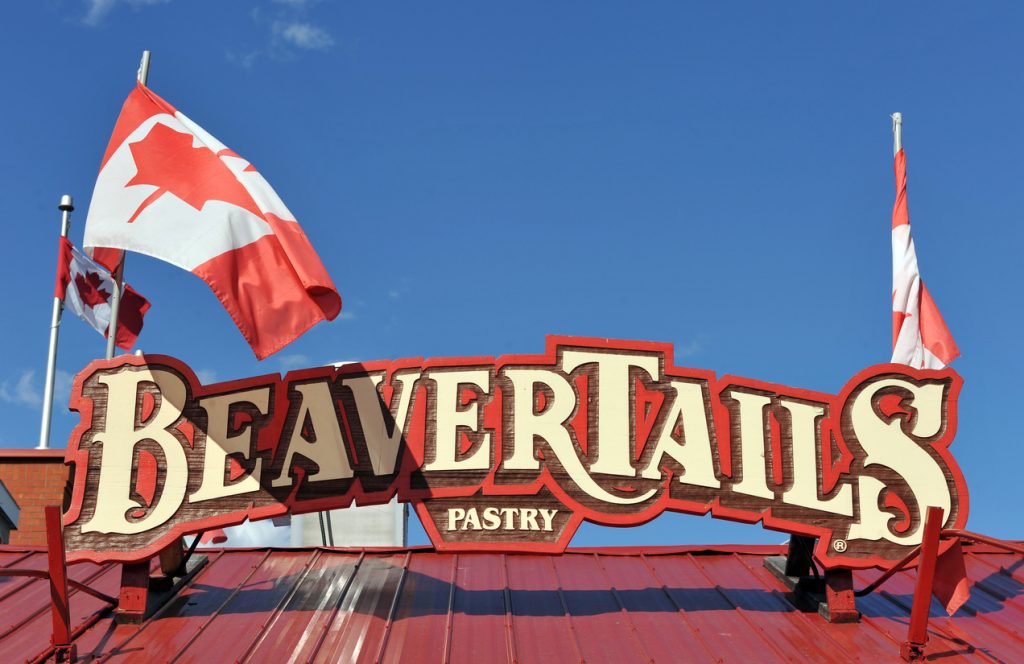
column 35, row 479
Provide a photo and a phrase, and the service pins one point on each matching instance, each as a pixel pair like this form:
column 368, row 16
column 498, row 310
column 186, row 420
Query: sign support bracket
column 141, row 594
column 830, row 595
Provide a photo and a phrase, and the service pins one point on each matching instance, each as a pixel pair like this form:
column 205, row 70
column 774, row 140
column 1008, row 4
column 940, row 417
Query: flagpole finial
column 67, row 204
column 143, row 73
column 897, row 132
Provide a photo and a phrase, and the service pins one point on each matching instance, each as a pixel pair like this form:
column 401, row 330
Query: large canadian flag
column 920, row 337
column 86, row 288
column 170, row 190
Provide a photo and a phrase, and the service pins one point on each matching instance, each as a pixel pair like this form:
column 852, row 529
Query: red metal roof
column 418, row 605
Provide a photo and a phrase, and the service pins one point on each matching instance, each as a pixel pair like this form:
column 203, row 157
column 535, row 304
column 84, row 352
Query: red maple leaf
column 89, row 289
column 166, row 159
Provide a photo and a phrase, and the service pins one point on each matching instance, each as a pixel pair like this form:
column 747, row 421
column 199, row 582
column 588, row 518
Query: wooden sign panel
column 514, row 452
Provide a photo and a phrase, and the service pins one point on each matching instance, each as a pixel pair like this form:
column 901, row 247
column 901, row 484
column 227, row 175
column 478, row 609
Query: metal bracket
column 830, row 595
column 142, row 595
column 65, row 653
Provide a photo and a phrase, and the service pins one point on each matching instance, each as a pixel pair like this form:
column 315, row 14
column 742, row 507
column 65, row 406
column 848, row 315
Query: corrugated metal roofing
column 416, row 605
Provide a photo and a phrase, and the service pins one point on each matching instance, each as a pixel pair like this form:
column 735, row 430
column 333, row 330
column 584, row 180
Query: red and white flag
column 86, row 288
column 920, row 337
column 170, row 190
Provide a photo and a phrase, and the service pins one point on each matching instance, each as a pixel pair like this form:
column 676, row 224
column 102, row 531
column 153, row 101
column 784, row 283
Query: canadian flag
column 168, row 189
column 86, row 288
column 920, row 337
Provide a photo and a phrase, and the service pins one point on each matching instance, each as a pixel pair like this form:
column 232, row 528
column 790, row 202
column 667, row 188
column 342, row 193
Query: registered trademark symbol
column 839, row 545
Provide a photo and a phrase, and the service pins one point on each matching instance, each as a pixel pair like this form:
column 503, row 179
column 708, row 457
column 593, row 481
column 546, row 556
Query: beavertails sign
column 514, row 452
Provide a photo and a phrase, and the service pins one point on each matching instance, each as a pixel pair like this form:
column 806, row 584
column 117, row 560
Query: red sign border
column 357, row 496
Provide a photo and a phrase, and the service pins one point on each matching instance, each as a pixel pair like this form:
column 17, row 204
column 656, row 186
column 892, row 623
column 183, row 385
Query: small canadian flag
column 920, row 337
column 86, row 288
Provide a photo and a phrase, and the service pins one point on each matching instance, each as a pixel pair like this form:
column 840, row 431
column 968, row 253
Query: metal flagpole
column 143, row 73
column 115, row 299
column 897, row 133
column 66, row 207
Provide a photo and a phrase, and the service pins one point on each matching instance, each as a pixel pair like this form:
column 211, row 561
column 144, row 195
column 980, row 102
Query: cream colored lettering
column 806, row 476
column 220, row 444
column 550, row 426
column 613, row 430
column 117, row 442
column 449, row 418
column 695, row 452
column 491, row 519
column 548, row 516
column 753, row 467
column 382, row 446
column 568, row 451
column 328, row 452
column 472, row 521
column 455, row 514
column 886, row 444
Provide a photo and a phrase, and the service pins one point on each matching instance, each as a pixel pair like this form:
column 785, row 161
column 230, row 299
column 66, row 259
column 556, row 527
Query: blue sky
column 478, row 175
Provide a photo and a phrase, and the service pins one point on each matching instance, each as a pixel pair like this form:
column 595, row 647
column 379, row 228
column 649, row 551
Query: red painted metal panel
column 767, row 609
column 243, row 616
column 9, row 557
column 478, row 624
column 970, row 630
column 97, row 632
column 542, row 628
column 709, row 611
column 361, row 619
column 997, row 599
column 185, row 614
column 860, row 641
column 83, row 607
column 888, row 610
column 416, row 605
column 12, row 586
column 299, row 626
column 1002, row 574
column 422, row 617
column 98, row 638
column 25, row 615
column 664, row 629
column 605, row 633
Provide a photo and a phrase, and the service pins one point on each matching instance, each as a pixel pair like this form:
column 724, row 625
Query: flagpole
column 897, row 133
column 115, row 301
column 66, row 207
column 143, row 73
